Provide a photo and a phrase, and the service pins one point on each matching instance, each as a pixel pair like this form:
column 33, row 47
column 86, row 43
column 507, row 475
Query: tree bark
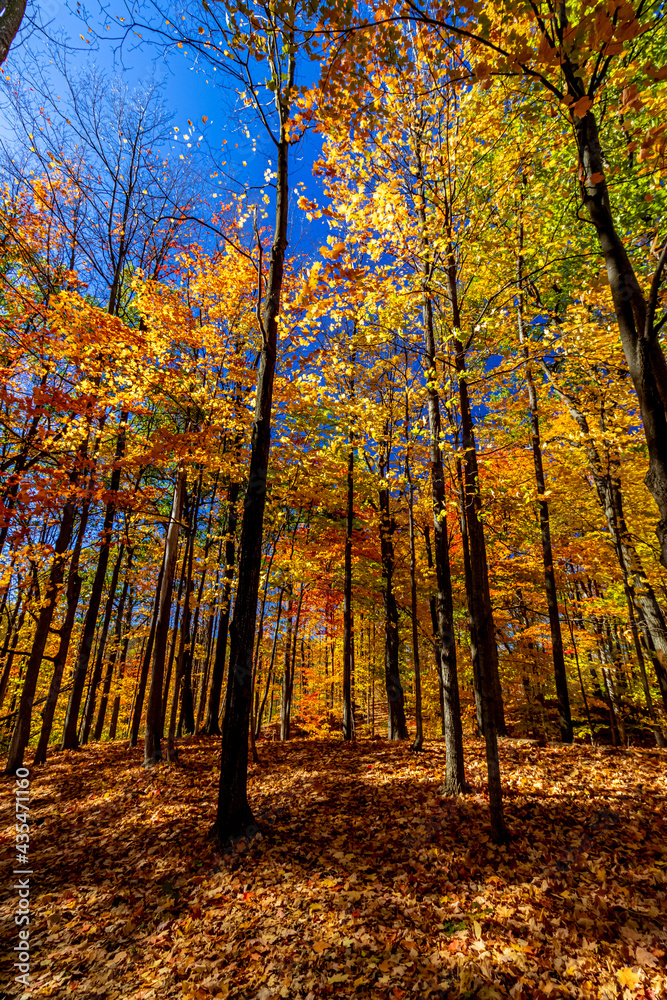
column 89, row 710
column 397, row 726
column 70, row 739
column 10, row 22
column 634, row 314
column 455, row 780
column 106, row 686
column 21, row 734
column 152, row 742
column 419, row 727
column 348, row 618
column 560, row 675
column 212, row 727
column 74, row 581
column 234, row 815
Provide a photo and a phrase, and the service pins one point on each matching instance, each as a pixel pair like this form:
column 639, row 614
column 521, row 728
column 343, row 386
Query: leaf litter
column 364, row 882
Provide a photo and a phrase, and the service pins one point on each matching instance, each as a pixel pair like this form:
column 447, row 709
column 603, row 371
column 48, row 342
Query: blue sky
column 192, row 93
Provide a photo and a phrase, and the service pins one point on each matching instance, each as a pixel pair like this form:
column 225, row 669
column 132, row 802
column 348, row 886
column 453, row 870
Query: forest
column 333, row 500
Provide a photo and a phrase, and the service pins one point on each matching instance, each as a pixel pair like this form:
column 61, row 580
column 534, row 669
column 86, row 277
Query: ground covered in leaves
column 366, row 882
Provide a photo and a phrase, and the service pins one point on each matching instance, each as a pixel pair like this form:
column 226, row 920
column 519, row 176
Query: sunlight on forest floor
column 366, row 883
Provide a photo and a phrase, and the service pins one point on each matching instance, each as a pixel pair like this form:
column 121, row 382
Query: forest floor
column 365, row 884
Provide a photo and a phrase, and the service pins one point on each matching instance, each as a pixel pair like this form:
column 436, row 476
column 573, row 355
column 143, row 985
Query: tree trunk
column 184, row 640
column 74, row 581
column 437, row 646
column 419, row 734
column 21, row 735
column 152, row 742
column 560, row 675
column 106, row 686
column 146, row 656
column 269, row 676
column 234, row 815
column 467, row 576
column 635, row 316
column 212, row 727
column 493, row 719
column 286, row 701
column 455, row 781
column 89, row 710
column 70, row 739
column 348, row 619
column 397, row 726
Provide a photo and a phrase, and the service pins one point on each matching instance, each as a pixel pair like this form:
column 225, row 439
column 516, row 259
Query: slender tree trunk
column 174, row 639
column 70, row 739
column 74, row 581
column 184, row 641
column 89, row 710
column 455, row 780
column 269, row 676
column 146, row 656
column 436, row 635
column 9, row 645
column 397, row 726
column 212, row 727
column 21, row 734
column 234, row 815
column 493, row 720
column 285, row 705
column 606, row 478
column 560, row 675
column 467, row 574
column 655, row 725
column 152, row 742
column 106, row 686
column 348, row 619
column 187, row 714
column 419, row 734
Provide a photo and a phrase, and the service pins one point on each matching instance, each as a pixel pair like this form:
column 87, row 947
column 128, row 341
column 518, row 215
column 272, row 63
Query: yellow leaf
column 627, row 977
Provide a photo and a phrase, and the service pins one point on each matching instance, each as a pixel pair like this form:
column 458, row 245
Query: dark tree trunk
column 212, row 727
column 269, row 676
column 146, row 656
column 397, row 726
column 286, row 701
column 493, row 719
column 455, row 781
column 152, row 742
column 106, row 686
column 419, row 734
column 70, row 739
column 9, row 645
column 635, row 315
column 174, row 641
column 234, row 815
column 74, row 581
column 467, row 575
column 348, row 619
column 21, row 735
column 182, row 660
column 436, row 635
column 560, row 675
column 187, row 715
column 89, row 710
